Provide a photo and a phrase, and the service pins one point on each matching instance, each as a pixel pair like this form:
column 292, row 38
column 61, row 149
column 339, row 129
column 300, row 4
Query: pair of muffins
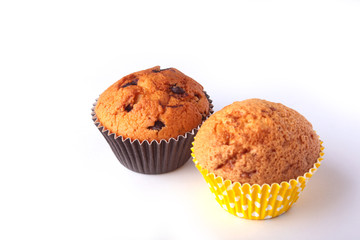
column 150, row 118
column 255, row 155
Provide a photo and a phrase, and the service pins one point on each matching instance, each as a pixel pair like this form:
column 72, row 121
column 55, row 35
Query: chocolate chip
column 128, row 108
column 157, row 126
column 197, row 97
column 174, row 106
column 244, row 151
column 133, row 82
column 177, row 90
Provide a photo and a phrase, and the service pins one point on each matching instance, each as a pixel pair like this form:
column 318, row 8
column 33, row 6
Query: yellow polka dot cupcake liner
column 255, row 201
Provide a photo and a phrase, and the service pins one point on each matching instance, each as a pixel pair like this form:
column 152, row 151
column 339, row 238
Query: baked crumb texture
column 152, row 104
column 256, row 142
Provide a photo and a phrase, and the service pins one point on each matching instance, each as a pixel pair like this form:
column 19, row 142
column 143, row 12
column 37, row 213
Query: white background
column 59, row 178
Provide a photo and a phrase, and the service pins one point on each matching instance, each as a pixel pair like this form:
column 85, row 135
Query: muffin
column 150, row 118
column 259, row 153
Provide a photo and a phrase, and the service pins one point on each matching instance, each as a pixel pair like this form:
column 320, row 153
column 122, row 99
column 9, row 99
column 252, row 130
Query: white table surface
column 60, row 180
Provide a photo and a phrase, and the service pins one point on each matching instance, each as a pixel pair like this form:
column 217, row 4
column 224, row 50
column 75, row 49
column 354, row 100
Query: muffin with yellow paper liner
column 256, row 157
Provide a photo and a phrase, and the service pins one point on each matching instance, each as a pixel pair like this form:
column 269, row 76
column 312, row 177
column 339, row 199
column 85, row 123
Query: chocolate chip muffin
column 257, row 142
column 150, row 118
column 152, row 104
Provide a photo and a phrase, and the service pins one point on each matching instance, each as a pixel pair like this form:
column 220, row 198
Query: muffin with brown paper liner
column 256, row 157
column 150, row 117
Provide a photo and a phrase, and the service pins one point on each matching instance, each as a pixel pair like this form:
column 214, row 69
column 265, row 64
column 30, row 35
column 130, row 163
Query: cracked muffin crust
column 152, row 104
column 256, row 142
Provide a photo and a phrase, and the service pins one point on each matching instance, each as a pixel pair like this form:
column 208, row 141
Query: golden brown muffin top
column 256, row 142
column 152, row 104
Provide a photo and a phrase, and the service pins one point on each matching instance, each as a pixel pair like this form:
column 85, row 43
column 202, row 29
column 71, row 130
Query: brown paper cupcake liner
column 151, row 157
